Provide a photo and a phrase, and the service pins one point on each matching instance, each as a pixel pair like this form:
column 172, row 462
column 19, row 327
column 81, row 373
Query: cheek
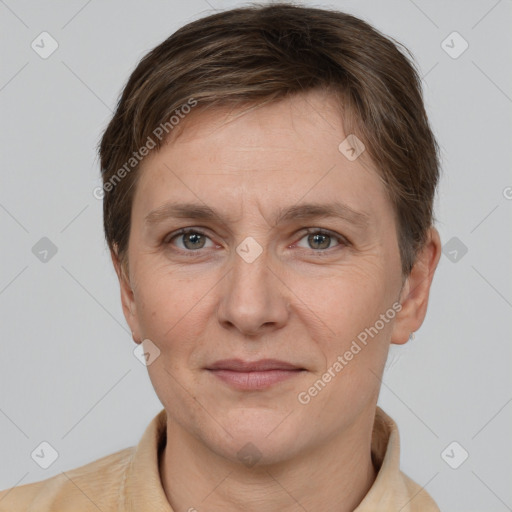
column 347, row 300
column 164, row 296
column 348, row 379
column 353, row 340
column 174, row 311
column 173, row 319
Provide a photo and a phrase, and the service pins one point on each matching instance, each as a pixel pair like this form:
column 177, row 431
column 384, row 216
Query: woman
column 268, row 182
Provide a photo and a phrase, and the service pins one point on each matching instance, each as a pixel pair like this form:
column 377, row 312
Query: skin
column 298, row 301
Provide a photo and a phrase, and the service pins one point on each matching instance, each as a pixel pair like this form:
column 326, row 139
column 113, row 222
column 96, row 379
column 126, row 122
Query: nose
column 254, row 299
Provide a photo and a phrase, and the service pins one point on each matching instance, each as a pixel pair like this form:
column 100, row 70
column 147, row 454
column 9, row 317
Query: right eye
column 191, row 240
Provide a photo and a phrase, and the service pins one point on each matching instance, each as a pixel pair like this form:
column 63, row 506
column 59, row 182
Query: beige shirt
column 129, row 480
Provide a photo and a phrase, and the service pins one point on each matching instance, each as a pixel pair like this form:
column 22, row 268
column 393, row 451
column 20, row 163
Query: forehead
column 278, row 154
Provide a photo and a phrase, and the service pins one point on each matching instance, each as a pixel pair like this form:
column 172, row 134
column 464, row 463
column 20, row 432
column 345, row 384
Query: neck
column 334, row 476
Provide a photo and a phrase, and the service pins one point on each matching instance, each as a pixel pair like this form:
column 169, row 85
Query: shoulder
column 93, row 486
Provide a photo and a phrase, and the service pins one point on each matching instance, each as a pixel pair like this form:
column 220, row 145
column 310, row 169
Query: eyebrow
column 303, row 211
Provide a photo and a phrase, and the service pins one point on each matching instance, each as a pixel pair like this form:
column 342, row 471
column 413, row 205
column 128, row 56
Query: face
column 258, row 275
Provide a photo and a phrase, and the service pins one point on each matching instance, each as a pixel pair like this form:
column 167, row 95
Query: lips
column 253, row 375
column 238, row 365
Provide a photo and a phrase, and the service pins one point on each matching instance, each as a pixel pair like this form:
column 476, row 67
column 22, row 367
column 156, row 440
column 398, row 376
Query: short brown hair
column 264, row 53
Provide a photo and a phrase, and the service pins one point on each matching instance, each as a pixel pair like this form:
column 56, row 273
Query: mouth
column 247, row 375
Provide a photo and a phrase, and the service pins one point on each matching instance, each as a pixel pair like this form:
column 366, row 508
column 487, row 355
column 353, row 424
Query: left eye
column 321, row 240
column 192, row 240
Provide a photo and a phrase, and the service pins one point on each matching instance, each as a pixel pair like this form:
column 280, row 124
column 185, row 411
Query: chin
column 260, row 451
column 258, row 437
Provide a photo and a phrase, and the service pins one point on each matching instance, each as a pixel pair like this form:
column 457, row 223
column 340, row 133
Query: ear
column 127, row 296
column 416, row 289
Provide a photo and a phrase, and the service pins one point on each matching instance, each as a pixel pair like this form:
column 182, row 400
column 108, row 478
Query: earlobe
column 416, row 290
column 127, row 295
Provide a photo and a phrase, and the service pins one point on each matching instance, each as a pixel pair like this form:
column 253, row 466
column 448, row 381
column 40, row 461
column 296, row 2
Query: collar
column 392, row 490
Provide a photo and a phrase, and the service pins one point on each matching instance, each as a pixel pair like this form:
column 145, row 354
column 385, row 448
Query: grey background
column 68, row 375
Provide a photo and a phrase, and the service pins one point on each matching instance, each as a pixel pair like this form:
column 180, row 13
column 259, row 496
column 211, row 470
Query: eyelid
column 183, row 231
column 333, row 234
column 342, row 240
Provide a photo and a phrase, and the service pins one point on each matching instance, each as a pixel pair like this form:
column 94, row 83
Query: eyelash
column 343, row 242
